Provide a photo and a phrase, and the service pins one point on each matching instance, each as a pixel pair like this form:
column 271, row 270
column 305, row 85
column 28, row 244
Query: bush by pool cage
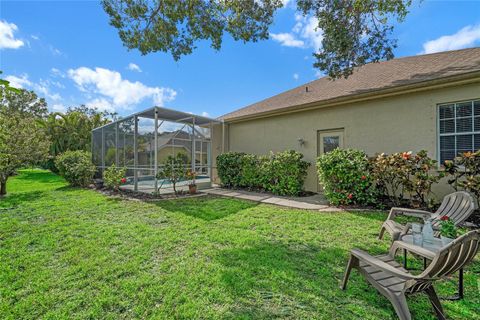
column 143, row 142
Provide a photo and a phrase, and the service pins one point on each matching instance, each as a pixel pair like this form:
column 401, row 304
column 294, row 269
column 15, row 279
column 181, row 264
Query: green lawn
column 74, row 253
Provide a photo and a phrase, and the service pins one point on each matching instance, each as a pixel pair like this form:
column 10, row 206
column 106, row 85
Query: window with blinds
column 459, row 125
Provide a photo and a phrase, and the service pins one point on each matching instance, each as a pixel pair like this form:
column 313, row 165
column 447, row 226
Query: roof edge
column 455, row 80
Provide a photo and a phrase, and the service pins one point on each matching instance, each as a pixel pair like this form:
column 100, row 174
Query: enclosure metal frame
column 159, row 115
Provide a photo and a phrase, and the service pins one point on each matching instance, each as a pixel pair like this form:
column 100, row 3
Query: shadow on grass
column 206, row 208
column 12, row 200
column 39, row 176
column 287, row 280
column 273, row 280
column 69, row 188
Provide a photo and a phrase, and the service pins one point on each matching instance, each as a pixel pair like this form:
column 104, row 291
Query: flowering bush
column 76, row 167
column 345, row 176
column 402, row 176
column 464, row 173
column 114, row 176
column 448, row 228
column 283, row 173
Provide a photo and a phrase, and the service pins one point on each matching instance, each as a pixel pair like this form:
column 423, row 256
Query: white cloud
column 7, row 39
column 59, row 107
column 55, row 51
column 101, row 104
column 134, row 67
column 42, row 88
column 304, row 34
column 57, row 73
column 19, row 82
column 307, row 28
column 35, row 37
column 287, row 40
column 118, row 92
column 205, row 114
column 296, row 76
column 464, row 38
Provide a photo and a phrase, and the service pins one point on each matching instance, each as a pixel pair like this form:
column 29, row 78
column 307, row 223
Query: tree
column 5, row 86
column 72, row 130
column 24, row 102
column 355, row 32
column 22, row 142
column 174, row 169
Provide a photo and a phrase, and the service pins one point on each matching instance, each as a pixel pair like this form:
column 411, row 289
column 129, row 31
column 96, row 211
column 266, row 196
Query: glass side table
column 427, row 250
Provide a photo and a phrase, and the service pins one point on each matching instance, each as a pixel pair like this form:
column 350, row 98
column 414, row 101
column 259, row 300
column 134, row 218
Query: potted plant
column 448, row 230
column 192, row 186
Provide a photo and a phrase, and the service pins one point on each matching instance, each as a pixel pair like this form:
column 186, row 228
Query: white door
column 328, row 141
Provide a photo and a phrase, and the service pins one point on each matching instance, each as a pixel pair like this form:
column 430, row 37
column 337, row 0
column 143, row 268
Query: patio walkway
column 315, row 202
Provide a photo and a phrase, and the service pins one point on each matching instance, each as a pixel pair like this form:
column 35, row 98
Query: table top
column 427, row 250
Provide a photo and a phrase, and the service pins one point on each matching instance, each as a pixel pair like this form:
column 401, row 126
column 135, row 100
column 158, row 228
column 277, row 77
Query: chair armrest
column 411, row 248
column 409, row 212
column 406, row 229
column 371, row 260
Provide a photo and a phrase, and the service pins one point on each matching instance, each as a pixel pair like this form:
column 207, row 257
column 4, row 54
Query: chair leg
column 352, row 262
column 382, row 231
column 432, row 295
column 399, row 302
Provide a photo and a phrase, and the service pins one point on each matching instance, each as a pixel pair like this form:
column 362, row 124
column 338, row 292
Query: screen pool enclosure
column 145, row 142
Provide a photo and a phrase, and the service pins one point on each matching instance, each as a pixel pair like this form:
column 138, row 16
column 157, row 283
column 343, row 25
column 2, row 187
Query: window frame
column 455, row 133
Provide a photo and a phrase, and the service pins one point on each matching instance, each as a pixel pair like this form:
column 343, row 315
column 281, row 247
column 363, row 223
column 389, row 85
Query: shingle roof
column 371, row 78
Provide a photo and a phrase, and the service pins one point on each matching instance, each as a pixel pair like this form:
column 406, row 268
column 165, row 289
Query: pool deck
column 146, row 186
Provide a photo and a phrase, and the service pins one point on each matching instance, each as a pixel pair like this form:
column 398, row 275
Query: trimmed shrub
column 113, row 177
column 282, row 173
column 345, row 176
column 229, row 167
column 250, row 176
column 76, row 167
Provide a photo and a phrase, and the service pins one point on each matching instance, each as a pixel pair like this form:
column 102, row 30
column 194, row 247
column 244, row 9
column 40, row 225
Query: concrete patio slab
column 314, row 202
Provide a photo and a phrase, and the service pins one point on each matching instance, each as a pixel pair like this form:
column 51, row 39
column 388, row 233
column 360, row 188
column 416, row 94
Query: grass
column 74, row 253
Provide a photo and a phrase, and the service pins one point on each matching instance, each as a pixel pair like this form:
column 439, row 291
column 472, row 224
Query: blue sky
column 67, row 52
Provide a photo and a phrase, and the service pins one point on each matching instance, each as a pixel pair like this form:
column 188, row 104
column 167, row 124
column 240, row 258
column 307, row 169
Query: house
column 429, row 102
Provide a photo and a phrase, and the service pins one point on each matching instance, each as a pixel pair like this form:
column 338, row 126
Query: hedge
column 346, row 177
column 281, row 173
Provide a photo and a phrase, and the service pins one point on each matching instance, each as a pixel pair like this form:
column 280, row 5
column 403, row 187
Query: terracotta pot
column 192, row 188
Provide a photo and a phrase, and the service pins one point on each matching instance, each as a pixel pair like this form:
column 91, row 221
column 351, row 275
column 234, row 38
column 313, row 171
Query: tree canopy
column 22, row 141
column 355, row 32
column 72, row 130
column 5, row 86
column 24, row 102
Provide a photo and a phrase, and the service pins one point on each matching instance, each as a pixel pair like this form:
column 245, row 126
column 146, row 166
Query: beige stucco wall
column 390, row 124
column 217, row 148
